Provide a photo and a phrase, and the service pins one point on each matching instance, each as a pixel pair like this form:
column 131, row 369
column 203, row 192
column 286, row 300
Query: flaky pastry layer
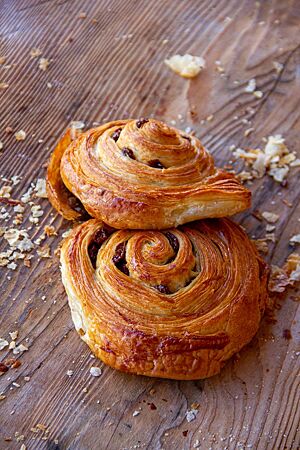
column 175, row 304
column 141, row 174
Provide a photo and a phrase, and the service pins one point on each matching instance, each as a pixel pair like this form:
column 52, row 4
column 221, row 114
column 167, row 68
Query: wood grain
column 108, row 66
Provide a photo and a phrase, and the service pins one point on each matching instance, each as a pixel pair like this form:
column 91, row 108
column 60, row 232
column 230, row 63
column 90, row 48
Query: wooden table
column 105, row 64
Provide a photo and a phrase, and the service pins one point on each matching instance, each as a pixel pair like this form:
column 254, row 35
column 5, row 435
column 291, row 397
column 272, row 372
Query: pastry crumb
column 270, row 217
column 191, row 415
column 20, row 135
column 35, row 52
column 95, row 371
column 187, row 66
column 44, row 64
column 294, row 240
column 251, row 86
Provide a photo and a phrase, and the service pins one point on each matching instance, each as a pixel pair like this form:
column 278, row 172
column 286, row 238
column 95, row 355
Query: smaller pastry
column 140, row 174
column 174, row 304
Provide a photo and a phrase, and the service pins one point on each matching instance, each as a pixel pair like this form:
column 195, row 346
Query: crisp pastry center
column 163, row 261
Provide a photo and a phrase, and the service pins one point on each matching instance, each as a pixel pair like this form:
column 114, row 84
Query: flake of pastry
column 20, row 135
column 44, row 64
column 294, row 240
column 251, row 86
column 186, row 66
column 270, row 217
column 35, row 52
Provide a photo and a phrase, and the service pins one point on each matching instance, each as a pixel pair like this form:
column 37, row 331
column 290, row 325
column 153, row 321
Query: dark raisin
column 128, row 152
column 173, row 241
column 152, row 406
column 99, row 237
column 122, row 266
column 116, row 134
column 119, row 259
column 140, row 122
column 119, row 253
column 3, row 368
column 287, row 334
column 156, row 164
column 162, row 289
column 93, row 249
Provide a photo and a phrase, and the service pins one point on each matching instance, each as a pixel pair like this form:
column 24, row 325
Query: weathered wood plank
column 110, row 65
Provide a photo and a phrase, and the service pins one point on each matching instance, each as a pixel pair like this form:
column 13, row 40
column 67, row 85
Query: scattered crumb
column 40, row 188
column 261, row 245
column 3, row 343
column 270, row 228
column 251, row 86
column 275, row 160
column 44, row 64
column 20, row 135
column 191, row 415
column 277, row 66
column 20, row 349
column 66, row 233
column 136, row 413
column 295, row 239
column 270, row 217
column 4, row 85
column 248, row 132
column 14, row 335
column 35, row 52
column 70, row 373
column 195, row 405
column 287, row 276
column 50, row 230
column 258, row 94
column 95, row 371
column 219, row 67
column 44, row 252
column 186, row 66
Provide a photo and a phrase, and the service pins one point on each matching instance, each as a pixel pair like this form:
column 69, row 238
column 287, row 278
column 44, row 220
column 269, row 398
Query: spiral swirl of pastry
column 174, row 304
column 143, row 174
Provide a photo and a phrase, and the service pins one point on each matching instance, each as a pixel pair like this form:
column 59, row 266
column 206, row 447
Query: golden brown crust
column 146, row 175
column 173, row 304
column 59, row 196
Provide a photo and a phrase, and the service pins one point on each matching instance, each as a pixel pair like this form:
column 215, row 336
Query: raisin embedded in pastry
column 174, row 304
column 141, row 174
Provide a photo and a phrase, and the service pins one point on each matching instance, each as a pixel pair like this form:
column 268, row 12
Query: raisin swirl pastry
column 174, row 304
column 142, row 174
